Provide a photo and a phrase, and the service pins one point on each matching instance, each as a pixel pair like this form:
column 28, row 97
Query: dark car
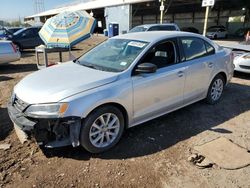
column 14, row 29
column 26, row 38
column 4, row 33
column 190, row 29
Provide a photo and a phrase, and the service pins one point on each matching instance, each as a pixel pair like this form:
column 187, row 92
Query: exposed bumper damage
column 50, row 133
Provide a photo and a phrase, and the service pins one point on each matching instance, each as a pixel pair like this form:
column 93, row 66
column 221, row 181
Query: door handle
column 210, row 65
column 180, row 74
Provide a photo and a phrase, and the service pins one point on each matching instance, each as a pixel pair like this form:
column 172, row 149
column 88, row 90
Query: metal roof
column 87, row 6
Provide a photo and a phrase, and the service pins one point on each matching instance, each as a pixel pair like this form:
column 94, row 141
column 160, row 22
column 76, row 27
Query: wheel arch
column 117, row 105
column 223, row 74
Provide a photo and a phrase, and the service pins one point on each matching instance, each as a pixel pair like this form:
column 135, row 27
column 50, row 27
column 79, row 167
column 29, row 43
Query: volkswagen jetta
column 123, row 82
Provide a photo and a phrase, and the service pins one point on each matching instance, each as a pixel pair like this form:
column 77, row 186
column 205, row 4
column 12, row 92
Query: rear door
column 26, row 38
column 222, row 33
column 200, row 59
column 37, row 41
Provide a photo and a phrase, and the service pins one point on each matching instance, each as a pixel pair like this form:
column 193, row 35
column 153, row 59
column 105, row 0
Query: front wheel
column 102, row 129
column 215, row 90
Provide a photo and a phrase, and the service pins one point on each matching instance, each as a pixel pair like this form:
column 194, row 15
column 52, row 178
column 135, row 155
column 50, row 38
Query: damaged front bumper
column 50, row 133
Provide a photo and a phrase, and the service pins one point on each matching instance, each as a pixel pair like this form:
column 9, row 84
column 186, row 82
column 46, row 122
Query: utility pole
column 162, row 10
column 205, row 22
column 207, row 4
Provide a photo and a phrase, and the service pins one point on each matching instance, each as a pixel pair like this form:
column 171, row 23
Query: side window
column 162, row 55
column 28, row 33
column 210, row 48
column 168, row 28
column 193, row 47
column 154, row 28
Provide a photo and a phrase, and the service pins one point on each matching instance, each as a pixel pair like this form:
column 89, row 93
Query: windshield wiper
column 86, row 64
column 97, row 67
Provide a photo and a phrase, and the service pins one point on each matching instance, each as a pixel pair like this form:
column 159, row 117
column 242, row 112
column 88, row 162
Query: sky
column 11, row 10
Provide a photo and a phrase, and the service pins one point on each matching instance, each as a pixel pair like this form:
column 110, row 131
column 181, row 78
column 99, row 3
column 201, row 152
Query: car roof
column 154, row 36
column 150, row 25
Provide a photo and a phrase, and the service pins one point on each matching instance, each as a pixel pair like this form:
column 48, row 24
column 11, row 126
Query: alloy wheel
column 104, row 130
column 217, row 89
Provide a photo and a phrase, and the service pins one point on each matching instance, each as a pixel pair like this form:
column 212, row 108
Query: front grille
column 19, row 104
column 244, row 67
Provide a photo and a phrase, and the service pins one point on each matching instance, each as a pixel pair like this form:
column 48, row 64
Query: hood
column 58, row 82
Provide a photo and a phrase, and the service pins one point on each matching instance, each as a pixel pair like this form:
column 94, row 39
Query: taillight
column 14, row 47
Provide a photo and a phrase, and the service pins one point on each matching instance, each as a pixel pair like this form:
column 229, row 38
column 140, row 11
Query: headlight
column 247, row 56
column 47, row 110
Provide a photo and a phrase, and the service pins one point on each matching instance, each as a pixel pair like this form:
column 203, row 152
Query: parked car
column 217, row 26
column 190, row 29
column 4, row 33
column 242, row 61
column 8, row 52
column 155, row 27
column 26, row 38
column 215, row 33
column 128, row 79
column 14, row 29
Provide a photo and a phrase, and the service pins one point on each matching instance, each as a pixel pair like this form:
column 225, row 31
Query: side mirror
column 146, row 68
column 24, row 35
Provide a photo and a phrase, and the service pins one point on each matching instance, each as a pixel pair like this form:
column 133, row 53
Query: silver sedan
column 8, row 52
column 123, row 82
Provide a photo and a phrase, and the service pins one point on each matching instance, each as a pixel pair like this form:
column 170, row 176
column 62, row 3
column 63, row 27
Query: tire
column 215, row 90
column 215, row 36
column 94, row 134
column 18, row 46
column 226, row 36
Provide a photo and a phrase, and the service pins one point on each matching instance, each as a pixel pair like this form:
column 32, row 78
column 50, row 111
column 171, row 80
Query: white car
column 216, row 33
column 8, row 52
column 155, row 27
column 242, row 61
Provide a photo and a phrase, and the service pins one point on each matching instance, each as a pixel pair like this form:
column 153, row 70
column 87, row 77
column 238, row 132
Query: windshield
column 19, row 31
column 113, row 55
column 212, row 30
column 138, row 29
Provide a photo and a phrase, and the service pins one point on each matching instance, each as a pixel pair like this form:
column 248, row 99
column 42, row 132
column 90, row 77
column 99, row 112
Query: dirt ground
column 150, row 155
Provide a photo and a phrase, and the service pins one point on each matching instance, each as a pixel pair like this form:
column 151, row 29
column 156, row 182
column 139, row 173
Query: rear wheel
column 215, row 36
column 18, row 47
column 215, row 90
column 102, row 129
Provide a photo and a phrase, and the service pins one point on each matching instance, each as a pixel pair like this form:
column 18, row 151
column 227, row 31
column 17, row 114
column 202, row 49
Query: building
column 129, row 13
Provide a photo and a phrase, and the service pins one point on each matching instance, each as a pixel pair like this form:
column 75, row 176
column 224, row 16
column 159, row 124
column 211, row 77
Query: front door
column 157, row 93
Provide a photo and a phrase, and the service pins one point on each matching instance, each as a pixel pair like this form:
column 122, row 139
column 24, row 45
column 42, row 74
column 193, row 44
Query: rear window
column 210, row 49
